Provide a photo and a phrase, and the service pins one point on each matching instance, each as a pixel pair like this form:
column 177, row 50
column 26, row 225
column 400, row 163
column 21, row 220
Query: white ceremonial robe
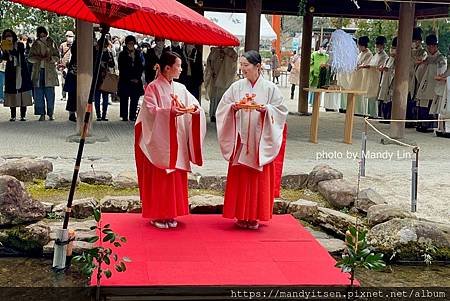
column 357, row 82
column 260, row 134
column 156, row 140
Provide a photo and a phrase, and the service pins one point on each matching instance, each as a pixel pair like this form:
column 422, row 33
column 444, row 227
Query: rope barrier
column 366, row 120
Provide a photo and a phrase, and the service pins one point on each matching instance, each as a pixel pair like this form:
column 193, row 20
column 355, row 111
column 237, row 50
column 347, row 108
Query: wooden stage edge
column 222, row 292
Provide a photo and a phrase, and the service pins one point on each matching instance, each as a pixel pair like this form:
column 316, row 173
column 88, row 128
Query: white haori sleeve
column 194, row 127
column 273, row 126
column 155, row 138
column 226, row 121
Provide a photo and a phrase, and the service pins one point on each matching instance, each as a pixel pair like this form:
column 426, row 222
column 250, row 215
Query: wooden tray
column 249, row 106
column 187, row 110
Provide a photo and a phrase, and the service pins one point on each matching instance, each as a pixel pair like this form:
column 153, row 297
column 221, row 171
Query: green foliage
column 429, row 251
column 102, row 255
column 358, row 254
column 25, row 20
column 374, row 28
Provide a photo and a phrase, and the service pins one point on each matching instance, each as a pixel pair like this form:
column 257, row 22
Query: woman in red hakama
column 250, row 135
column 169, row 133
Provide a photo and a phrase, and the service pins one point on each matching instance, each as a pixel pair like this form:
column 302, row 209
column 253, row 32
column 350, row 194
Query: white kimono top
column 372, row 76
column 171, row 142
column 357, row 83
column 260, row 133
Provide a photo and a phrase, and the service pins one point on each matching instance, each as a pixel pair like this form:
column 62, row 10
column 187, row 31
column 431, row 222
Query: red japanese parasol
column 163, row 18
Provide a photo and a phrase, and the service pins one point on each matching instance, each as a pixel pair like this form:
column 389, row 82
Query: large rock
column 206, row 203
column 409, row 238
column 59, row 179
column 194, row 180
column 126, row 179
column 130, row 203
column 27, row 240
column 280, row 206
column 27, row 169
column 338, row 193
column 81, row 208
column 303, row 209
column 334, row 221
column 367, row 198
column 213, row 182
column 48, row 207
column 96, row 178
column 294, row 181
column 333, row 245
column 321, row 173
column 378, row 214
column 16, row 206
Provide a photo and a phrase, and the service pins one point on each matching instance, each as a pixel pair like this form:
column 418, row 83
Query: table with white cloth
column 348, row 128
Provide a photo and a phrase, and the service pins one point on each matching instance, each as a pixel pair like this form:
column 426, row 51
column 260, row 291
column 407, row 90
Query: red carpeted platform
column 211, row 250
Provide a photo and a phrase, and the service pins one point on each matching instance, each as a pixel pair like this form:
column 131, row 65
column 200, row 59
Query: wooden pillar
column 84, row 69
column 253, row 23
column 305, row 62
column 402, row 65
column 276, row 25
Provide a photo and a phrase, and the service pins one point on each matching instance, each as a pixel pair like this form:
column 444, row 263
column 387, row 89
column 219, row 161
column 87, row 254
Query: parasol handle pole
column 84, row 132
column 414, row 179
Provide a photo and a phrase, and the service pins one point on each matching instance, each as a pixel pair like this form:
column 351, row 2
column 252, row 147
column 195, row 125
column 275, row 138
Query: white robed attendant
column 372, row 76
column 169, row 134
column 250, row 140
column 357, row 83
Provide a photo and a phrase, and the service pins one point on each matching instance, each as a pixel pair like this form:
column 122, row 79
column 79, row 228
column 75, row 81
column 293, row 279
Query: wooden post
column 305, row 62
column 402, row 64
column 253, row 23
column 84, row 69
column 313, row 132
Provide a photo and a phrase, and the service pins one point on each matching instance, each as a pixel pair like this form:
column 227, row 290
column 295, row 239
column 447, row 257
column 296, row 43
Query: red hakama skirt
column 278, row 164
column 249, row 193
column 163, row 195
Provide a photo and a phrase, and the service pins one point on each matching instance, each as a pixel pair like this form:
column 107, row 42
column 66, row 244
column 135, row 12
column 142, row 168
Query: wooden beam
column 253, row 20
column 425, row 9
column 305, row 62
column 402, row 65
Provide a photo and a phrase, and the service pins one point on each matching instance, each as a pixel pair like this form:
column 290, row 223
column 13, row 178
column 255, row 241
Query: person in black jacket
column 70, row 84
column 106, row 63
column 130, row 84
column 176, row 47
column 152, row 57
column 194, row 70
column 18, row 83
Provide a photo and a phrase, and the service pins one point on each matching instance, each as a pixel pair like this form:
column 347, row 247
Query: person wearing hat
column 357, row 83
column 372, row 76
column 418, row 55
column 65, row 55
column 387, row 84
column 429, row 90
